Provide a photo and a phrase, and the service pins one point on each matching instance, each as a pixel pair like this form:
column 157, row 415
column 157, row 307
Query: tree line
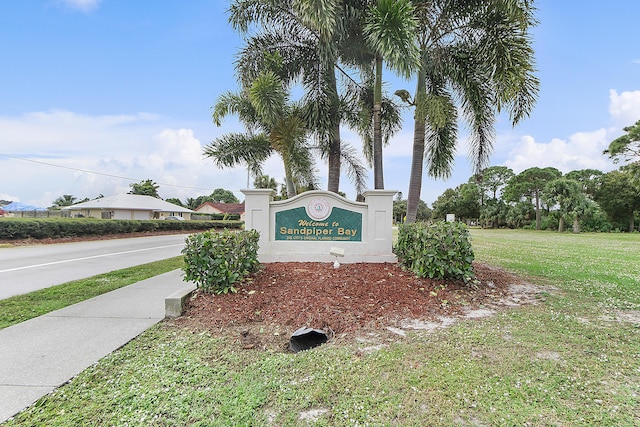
column 544, row 198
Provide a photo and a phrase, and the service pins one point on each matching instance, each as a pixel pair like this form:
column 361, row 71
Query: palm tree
column 389, row 33
column 64, row 200
column 475, row 52
column 274, row 124
column 308, row 35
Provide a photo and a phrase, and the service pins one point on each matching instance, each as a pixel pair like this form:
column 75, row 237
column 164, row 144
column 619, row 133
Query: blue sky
column 124, row 88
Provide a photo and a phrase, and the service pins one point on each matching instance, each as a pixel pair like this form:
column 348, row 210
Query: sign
column 319, row 221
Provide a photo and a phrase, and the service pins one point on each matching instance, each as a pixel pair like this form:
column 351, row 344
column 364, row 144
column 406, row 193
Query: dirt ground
column 355, row 300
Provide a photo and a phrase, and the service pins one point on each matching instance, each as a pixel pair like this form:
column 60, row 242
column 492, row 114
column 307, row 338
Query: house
column 221, row 208
column 128, row 206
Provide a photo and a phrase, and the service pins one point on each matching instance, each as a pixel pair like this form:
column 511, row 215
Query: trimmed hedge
column 438, row 250
column 215, row 216
column 44, row 228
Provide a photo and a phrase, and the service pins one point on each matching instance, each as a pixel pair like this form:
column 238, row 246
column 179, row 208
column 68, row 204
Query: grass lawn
column 24, row 307
column 572, row 360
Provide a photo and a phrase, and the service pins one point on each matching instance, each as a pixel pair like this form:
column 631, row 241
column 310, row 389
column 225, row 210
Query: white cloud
column 58, row 131
column 83, row 5
column 624, row 107
column 583, row 150
column 116, row 147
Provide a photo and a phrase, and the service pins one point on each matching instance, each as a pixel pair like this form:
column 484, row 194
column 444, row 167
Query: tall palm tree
column 389, row 32
column 308, row 35
column 475, row 52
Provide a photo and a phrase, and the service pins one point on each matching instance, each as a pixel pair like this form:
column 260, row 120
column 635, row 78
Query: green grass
column 24, row 307
column 570, row 360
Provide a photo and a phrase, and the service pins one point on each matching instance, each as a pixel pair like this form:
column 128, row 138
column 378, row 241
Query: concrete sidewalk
column 41, row 354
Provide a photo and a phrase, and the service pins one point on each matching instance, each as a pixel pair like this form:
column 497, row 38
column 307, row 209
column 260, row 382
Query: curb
column 174, row 303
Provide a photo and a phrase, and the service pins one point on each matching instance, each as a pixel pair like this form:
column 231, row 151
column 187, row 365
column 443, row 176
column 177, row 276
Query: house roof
column 132, row 202
column 231, row 208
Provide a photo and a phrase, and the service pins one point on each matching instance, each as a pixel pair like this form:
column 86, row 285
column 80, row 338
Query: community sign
column 319, row 221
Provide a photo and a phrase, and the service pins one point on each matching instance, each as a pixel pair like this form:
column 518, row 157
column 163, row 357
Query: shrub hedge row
column 215, row 216
column 43, row 228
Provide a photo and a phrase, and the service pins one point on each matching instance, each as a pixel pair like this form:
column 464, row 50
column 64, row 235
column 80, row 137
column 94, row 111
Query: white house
column 128, row 206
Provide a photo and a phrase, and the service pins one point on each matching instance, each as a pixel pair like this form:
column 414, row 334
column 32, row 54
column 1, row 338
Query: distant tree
column 175, row 201
column 463, row 201
column 198, row 201
column 626, row 147
column 64, row 200
column 568, row 196
column 619, row 196
column 494, row 178
column 530, row 184
column 580, row 208
column 519, row 214
column 145, row 188
column 589, row 180
column 493, row 213
column 265, row 181
column 400, row 210
column 220, row 195
column 191, row 203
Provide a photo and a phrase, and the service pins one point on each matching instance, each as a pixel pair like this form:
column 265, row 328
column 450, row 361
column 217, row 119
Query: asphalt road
column 25, row 269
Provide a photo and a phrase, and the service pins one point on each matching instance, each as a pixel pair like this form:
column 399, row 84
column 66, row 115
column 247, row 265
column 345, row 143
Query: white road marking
column 85, row 258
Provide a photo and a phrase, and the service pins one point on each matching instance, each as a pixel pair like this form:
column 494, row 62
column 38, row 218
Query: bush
column 42, row 228
column 215, row 261
column 439, row 250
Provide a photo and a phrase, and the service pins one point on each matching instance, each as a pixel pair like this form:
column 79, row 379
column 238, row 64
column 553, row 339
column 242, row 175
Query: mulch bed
column 350, row 299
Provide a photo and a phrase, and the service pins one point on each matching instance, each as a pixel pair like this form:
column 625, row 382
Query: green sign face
column 341, row 225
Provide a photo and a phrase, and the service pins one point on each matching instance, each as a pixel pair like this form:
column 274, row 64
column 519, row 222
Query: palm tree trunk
column 576, row 224
column 378, row 176
column 417, row 159
column 291, row 187
column 333, row 180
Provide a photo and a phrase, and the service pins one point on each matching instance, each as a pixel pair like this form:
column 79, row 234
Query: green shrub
column 438, row 250
column 215, row 261
column 42, row 228
column 216, row 216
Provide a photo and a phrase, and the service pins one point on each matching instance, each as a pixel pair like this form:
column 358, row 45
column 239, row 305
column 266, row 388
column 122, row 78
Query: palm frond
column 390, row 32
column 234, row 103
column 235, row 149
column 268, row 97
column 355, row 170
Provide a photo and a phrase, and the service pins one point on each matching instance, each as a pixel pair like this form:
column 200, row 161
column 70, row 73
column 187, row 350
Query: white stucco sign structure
column 315, row 224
